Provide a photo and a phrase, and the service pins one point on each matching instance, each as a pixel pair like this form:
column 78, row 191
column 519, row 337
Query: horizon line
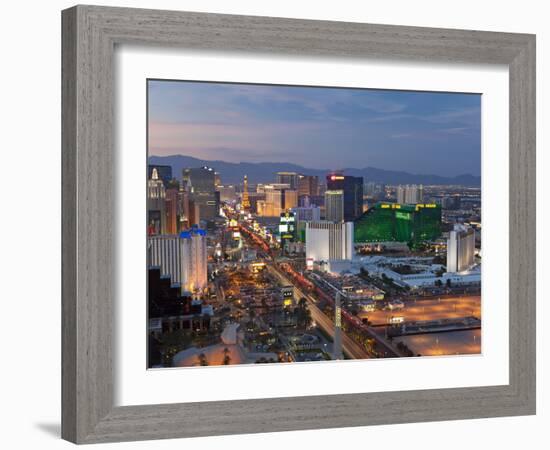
column 309, row 168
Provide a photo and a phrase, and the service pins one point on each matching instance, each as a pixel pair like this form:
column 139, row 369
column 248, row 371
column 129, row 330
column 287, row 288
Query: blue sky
column 322, row 128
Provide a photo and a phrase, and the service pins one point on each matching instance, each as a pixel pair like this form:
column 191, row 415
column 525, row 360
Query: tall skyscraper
column 308, row 185
column 278, row 199
column 326, row 241
column 194, row 260
column 290, row 178
column 156, row 205
column 183, row 257
column 202, row 182
column 410, row 194
column 461, row 248
column 334, row 206
column 353, row 193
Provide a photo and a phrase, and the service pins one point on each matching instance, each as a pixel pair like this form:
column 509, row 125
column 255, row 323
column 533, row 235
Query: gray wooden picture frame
column 90, row 34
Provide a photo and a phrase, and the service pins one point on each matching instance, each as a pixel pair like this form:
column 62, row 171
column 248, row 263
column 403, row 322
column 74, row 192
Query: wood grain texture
column 89, row 36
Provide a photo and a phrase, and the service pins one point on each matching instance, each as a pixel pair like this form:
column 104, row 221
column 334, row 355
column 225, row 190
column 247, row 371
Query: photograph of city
column 306, row 224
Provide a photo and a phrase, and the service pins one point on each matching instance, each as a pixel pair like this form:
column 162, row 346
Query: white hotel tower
column 326, row 241
column 182, row 257
column 461, row 247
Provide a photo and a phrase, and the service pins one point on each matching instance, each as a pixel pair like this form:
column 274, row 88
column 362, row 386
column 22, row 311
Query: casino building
column 394, row 222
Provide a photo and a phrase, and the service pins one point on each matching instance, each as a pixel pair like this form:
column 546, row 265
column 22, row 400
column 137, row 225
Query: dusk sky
column 321, row 128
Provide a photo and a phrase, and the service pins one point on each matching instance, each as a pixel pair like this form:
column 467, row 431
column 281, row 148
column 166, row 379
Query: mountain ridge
column 263, row 172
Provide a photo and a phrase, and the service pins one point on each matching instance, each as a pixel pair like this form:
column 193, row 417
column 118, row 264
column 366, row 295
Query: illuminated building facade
column 391, row 222
column 245, row 199
column 182, row 257
column 278, row 199
column 327, row 241
column 352, row 188
column 461, row 246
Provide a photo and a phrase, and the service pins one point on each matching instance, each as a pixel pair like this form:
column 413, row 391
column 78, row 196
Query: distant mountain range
column 264, row 172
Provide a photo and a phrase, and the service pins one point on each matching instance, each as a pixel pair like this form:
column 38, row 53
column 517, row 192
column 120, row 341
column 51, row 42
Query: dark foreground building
column 392, row 222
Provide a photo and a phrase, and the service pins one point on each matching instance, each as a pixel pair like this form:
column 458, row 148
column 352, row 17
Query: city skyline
column 417, row 132
column 323, row 255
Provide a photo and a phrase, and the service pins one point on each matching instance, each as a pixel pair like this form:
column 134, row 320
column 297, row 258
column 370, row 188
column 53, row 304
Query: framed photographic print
column 278, row 224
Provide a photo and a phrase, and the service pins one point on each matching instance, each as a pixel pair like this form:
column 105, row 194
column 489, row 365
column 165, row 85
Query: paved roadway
column 349, row 346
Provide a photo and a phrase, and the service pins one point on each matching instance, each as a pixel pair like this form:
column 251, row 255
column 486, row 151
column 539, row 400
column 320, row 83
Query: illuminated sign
column 257, row 266
column 402, row 215
column 287, row 217
column 385, row 206
column 283, row 228
column 288, row 295
column 378, row 297
column 336, row 177
column 425, row 205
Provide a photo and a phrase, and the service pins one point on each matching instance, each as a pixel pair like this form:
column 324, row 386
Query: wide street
column 349, row 346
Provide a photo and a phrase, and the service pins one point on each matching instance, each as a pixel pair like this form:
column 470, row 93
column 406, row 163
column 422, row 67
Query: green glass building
column 392, row 222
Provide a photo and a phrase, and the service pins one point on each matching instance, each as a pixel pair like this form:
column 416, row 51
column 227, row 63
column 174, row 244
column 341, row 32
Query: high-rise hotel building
column 461, row 248
column 308, row 185
column 201, row 182
column 334, row 206
column 329, row 241
column 278, row 199
column 352, row 187
column 182, row 257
